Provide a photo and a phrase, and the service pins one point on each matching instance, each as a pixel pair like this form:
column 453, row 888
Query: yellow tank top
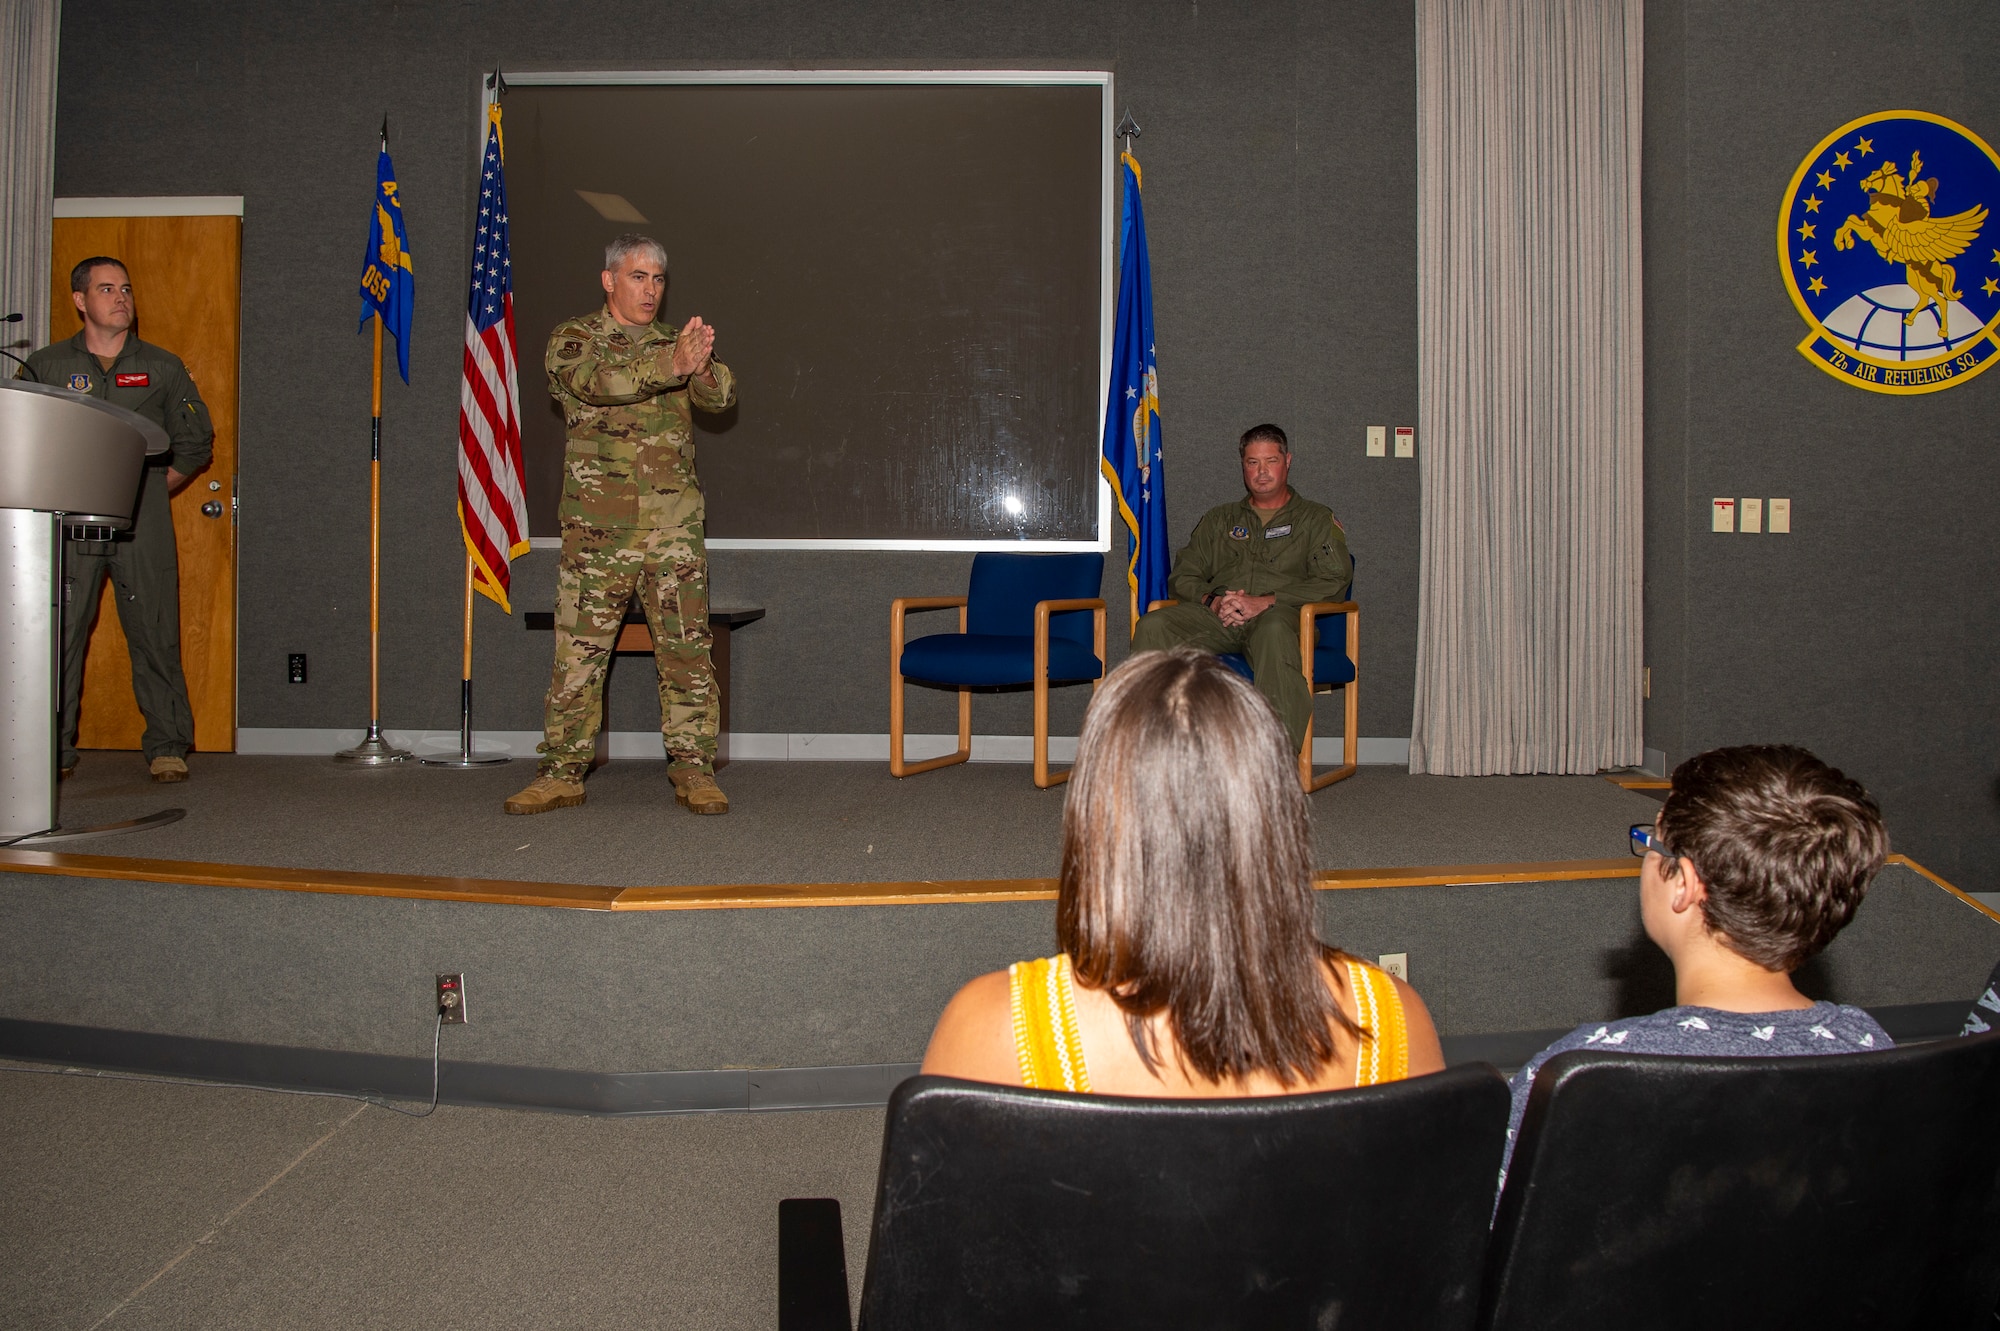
column 1042, row 1002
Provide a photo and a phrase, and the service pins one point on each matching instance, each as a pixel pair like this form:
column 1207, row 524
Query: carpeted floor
column 152, row 1206
column 788, row 822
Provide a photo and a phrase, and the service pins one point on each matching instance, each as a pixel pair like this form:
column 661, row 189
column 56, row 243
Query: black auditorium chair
column 1003, row 1207
column 1854, row 1190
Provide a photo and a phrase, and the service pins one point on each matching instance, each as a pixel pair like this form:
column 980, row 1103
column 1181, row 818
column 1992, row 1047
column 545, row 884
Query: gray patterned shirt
column 1823, row 1028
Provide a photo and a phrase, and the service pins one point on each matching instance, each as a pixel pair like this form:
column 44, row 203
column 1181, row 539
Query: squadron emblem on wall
column 1877, row 239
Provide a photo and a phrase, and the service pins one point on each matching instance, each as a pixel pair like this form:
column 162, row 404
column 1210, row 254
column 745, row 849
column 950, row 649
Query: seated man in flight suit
column 1246, row 571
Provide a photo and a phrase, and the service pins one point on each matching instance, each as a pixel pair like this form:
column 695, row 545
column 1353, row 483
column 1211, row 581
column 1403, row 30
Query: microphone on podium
column 15, row 318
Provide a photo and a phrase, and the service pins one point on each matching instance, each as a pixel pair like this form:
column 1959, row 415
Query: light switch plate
column 1750, row 515
column 1725, row 515
column 1406, row 441
column 1378, row 441
column 1781, row 517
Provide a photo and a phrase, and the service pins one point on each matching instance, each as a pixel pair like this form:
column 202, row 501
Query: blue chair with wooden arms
column 1025, row 619
column 1330, row 654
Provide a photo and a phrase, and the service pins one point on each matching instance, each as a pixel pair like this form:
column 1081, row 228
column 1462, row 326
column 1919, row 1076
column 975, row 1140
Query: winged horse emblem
column 1900, row 225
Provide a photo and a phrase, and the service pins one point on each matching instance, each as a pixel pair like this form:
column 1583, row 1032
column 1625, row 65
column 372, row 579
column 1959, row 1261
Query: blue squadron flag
column 387, row 286
column 1131, row 459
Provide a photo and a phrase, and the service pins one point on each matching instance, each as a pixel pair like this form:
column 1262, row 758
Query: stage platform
column 789, row 823
column 628, row 957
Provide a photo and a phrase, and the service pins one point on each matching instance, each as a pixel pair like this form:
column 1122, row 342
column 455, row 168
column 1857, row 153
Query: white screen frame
column 1108, row 218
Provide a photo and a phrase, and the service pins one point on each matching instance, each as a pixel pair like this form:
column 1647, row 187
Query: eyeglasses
column 1644, row 839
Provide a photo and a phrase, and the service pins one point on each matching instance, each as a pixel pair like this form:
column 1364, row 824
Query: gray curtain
column 28, row 33
column 1529, row 390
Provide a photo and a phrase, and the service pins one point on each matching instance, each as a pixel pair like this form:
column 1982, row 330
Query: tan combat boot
column 545, row 793
column 698, row 791
column 169, row 769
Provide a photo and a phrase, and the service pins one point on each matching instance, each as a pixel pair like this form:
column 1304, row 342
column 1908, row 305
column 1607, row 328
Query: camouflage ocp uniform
column 631, row 520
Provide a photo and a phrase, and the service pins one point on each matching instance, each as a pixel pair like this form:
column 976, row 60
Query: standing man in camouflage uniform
column 631, row 520
column 1246, row 571
column 109, row 363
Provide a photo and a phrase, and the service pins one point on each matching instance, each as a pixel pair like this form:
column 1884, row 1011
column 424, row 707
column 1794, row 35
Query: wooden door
column 186, row 277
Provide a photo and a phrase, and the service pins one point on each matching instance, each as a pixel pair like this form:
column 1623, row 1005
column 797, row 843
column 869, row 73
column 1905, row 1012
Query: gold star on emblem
column 1842, row 160
column 1996, row 256
column 1806, row 231
column 1812, row 206
column 1808, row 258
column 1991, row 287
column 1825, row 179
column 1816, row 286
column 1864, row 146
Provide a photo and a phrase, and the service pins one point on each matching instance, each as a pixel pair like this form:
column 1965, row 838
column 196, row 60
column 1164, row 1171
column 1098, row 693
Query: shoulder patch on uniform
column 571, row 349
column 1239, row 533
column 80, row 383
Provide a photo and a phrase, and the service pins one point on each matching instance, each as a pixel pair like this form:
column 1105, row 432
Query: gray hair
column 629, row 244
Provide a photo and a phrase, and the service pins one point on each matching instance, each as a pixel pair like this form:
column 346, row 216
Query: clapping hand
column 694, row 348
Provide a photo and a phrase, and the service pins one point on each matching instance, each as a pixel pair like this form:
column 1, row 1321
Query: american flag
column 491, row 507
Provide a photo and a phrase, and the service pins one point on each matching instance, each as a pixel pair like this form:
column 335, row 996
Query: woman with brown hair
column 1191, row 964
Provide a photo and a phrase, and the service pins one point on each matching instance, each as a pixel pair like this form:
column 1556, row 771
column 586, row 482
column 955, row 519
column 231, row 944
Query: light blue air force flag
column 1132, row 410
column 388, row 287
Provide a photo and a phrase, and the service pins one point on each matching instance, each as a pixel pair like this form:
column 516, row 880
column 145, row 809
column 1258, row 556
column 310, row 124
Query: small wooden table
column 634, row 638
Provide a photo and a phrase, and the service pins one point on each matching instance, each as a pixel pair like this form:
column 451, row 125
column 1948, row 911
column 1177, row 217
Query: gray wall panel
column 1862, row 635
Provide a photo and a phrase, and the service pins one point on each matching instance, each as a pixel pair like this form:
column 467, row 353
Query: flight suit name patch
column 79, row 383
column 1273, row 533
column 140, row 380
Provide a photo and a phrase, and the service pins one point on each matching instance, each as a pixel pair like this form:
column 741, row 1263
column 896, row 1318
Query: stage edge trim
column 767, row 896
column 731, row 896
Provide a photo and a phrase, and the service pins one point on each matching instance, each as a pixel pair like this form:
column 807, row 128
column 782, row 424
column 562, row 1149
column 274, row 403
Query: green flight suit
column 142, row 563
column 631, row 519
column 1297, row 554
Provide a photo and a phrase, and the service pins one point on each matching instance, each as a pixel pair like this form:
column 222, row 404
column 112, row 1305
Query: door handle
column 212, row 509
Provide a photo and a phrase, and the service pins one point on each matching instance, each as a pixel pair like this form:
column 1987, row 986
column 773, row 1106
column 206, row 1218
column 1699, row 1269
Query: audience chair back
column 1858, row 1190
column 1004, row 1207
column 1025, row 619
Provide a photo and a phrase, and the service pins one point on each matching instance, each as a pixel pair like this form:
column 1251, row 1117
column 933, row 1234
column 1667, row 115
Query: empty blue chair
column 1025, row 619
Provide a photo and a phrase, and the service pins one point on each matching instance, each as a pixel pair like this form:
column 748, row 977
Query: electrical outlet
column 295, row 667
column 1396, row 963
column 451, row 999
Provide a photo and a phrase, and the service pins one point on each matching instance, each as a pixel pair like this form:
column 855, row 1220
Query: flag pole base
column 373, row 751
column 465, row 757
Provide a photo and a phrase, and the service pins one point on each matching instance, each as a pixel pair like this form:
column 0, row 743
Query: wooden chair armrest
column 1314, row 609
column 903, row 604
column 1043, row 609
column 1163, row 601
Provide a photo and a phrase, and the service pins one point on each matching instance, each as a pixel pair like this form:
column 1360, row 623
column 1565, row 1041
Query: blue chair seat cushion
column 981, row 660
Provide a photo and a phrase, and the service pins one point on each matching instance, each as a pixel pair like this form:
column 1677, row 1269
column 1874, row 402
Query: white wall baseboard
column 743, row 746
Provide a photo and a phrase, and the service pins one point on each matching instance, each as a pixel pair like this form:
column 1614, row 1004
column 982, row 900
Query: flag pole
column 465, row 757
column 374, row 751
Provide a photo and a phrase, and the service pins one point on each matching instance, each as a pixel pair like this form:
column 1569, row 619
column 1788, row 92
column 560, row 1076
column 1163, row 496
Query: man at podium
column 108, row 362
